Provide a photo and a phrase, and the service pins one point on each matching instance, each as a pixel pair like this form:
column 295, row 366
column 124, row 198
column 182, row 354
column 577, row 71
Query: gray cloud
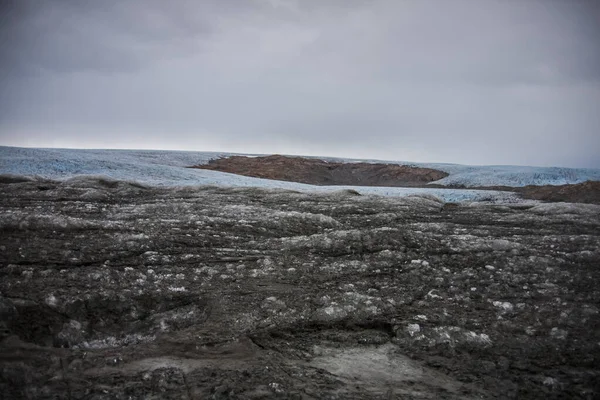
column 462, row 81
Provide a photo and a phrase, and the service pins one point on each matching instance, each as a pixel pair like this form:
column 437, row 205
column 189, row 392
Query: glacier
column 167, row 168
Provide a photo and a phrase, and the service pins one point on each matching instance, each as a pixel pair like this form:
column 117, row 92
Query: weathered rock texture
column 319, row 172
column 110, row 290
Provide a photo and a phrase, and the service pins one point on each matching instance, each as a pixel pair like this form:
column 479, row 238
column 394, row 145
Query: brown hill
column 319, row 172
column 586, row 192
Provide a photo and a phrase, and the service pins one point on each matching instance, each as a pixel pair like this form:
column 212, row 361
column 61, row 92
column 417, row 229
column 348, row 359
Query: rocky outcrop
column 319, row 172
column 586, row 192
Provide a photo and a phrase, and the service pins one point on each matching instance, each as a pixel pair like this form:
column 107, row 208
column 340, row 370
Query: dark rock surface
column 112, row 290
column 318, row 172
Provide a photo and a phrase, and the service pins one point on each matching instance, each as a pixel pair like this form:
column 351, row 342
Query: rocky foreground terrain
column 114, row 290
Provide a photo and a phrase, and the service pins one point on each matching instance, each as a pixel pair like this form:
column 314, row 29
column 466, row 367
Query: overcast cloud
column 465, row 81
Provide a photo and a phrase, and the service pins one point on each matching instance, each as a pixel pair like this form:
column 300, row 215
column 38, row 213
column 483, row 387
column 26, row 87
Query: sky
column 460, row 81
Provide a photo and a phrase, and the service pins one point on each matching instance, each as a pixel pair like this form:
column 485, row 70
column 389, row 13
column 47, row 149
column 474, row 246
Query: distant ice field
column 167, row 168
